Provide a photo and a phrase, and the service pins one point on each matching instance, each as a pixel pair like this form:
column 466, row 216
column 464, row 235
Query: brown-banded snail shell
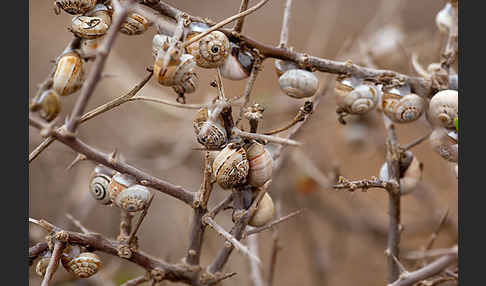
column 444, row 142
column 238, row 64
column 69, row 75
column 99, row 184
column 42, row 264
column 231, row 166
column 176, row 72
column 84, row 265
column 410, row 173
column 75, row 7
column 283, row 66
column 69, row 253
column 298, row 83
column 88, row 27
column 133, row 198
column 261, row 164
column 443, row 108
column 402, row 106
column 211, row 51
column 135, row 24
column 264, row 212
column 48, row 104
column 215, row 136
column 118, row 183
column 354, row 98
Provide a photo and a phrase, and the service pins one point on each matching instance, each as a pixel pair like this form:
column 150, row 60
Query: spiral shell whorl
column 215, row 136
column 261, row 164
column 133, row 199
column 75, row 7
column 98, row 188
column 298, row 83
column 211, row 51
column 231, row 166
column 84, row 265
column 443, row 108
column 403, row 109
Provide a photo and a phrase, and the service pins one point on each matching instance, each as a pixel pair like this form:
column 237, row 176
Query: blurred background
column 341, row 237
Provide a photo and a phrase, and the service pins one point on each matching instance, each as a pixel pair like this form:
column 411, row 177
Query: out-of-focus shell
column 264, row 212
column 90, row 46
column 99, row 184
column 410, row 177
column 444, row 144
column 443, row 19
column 41, row 266
column 48, row 104
column 298, row 83
column 69, row 75
column 133, row 199
column 231, row 166
column 261, row 164
column 443, row 108
column 75, row 7
column 238, row 64
column 210, row 51
column 118, row 183
column 135, row 24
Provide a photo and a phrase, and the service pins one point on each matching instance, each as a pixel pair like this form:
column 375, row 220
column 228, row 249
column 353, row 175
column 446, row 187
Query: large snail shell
column 48, row 104
column 99, row 184
column 75, row 7
column 84, row 265
column 89, row 27
column 402, row 109
column 42, row 264
column 238, row 64
column 210, row 51
column 443, row 108
column 231, row 166
column 283, row 66
column 264, row 212
column 215, row 136
column 133, row 199
column 261, row 164
column 443, row 19
column 135, row 24
column 118, row 183
column 298, row 83
column 444, row 144
column 69, row 75
column 358, row 100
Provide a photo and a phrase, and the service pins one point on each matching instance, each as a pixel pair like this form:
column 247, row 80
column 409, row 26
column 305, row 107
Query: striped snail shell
column 135, row 24
column 216, row 136
column 176, row 71
column 69, row 253
column 160, row 43
column 84, row 265
column 133, row 198
column 69, row 75
column 410, row 174
column 443, row 108
column 75, row 7
column 298, row 83
column 211, row 51
column 231, row 166
column 48, row 104
column 282, row 66
column 238, row 64
column 42, row 264
column 118, row 183
column 356, row 98
column 99, row 184
column 402, row 109
column 88, row 27
column 261, row 164
column 445, row 144
column 101, row 11
column 264, row 212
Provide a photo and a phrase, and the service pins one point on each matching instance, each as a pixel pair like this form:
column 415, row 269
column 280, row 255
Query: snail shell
column 261, row 164
column 215, row 137
column 231, row 166
column 443, row 19
column 89, row 46
column 118, row 183
column 101, row 11
column 282, row 66
column 88, row 27
column 69, row 75
column 210, row 51
column 99, row 184
column 84, row 265
column 75, row 7
column 402, row 109
column 133, row 199
column 264, row 212
column 42, row 264
column 443, row 108
column 445, row 144
column 410, row 175
column 298, row 83
column 48, row 104
column 135, row 24
column 69, row 253
column 238, row 64
column 176, row 72
column 356, row 100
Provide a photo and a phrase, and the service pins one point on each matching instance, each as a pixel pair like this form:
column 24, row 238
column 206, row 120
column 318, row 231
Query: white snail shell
column 261, row 164
column 298, row 83
column 135, row 24
column 444, row 144
column 231, row 166
column 443, row 108
column 282, row 66
column 409, row 178
column 69, row 75
column 238, row 64
column 356, row 100
column 84, row 265
column 443, row 19
column 264, row 212
column 99, row 184
column 75, row 7
column 89, row 27
column 118, row 183
column 402, row 109
column 210, row 51
column 133, row 199
column 101, row 11
column 215, row 136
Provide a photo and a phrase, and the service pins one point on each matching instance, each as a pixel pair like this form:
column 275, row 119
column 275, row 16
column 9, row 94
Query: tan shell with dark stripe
column 69, row 75
column 261, row 164
column 231, row 166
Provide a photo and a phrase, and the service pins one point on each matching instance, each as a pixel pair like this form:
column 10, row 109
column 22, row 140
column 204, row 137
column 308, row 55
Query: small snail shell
column 215, row 136
column 231, row 166
column 75, row 7
column 89, row 46
column 356, row 100
column 69, row 75
column 99, row 184
column 238, row 64
column 261, row 164
column 187, row 84
column 443, row 108
column 135, row 24
column 69, row 253
column 409, row 177
column 445, row 144
column 118, row 183
column 210, row 51
column 48, row 104
column 443, row 19
column 84, row 265
column 298, row 83
column 42, row 264
column 264, row 212
column 176, row 72
column 101, row 11
column 133, row 199
column 282, row 66
column 88, row 27
column 402, row 109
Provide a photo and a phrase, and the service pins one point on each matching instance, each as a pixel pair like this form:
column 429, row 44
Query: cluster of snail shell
column 295, row 82
column 411, row 170
column 109, row 187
